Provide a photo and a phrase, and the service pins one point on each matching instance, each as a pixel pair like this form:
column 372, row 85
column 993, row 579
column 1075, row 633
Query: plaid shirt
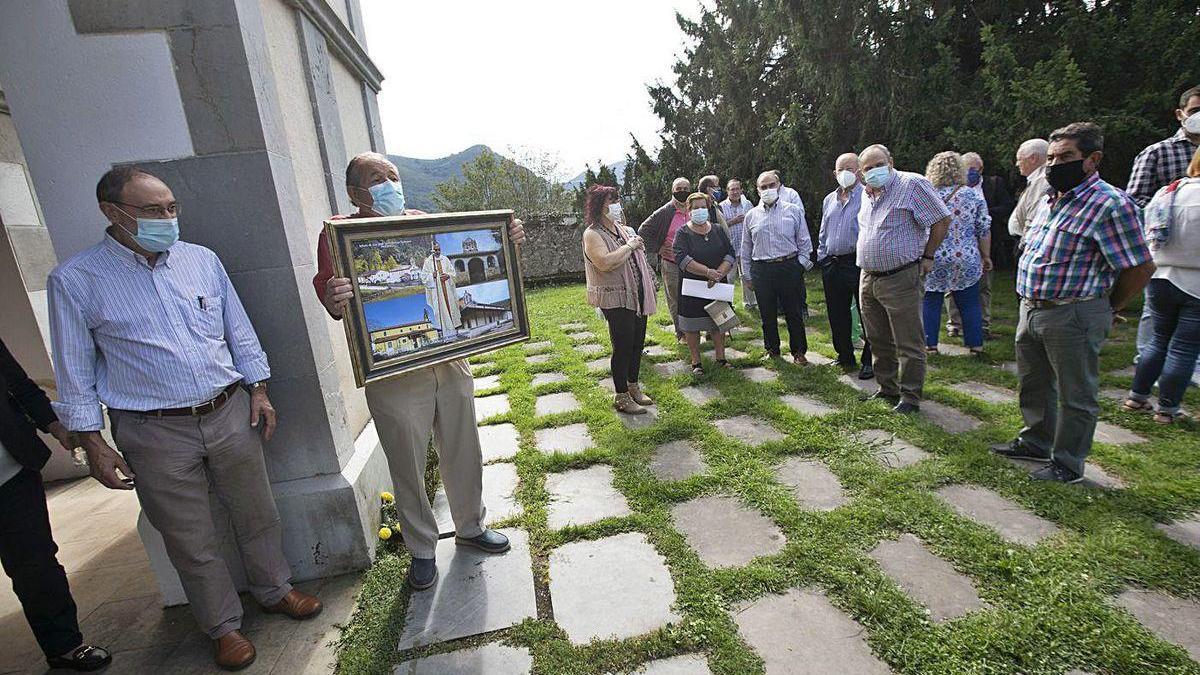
column 893, row 225
column 1076, row 245
column 731, row 211
column 1159, row 164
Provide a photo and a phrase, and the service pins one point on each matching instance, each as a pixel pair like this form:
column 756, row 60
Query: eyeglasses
column 169, row 211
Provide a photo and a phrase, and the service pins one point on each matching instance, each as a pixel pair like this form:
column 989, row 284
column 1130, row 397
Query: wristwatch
column 261, row 384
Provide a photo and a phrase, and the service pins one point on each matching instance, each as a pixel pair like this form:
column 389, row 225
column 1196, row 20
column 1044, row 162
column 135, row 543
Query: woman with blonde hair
column 1172, row 225
column 963, row 257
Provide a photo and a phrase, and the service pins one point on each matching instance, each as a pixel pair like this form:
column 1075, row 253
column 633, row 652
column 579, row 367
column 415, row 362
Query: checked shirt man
column 1084, row 258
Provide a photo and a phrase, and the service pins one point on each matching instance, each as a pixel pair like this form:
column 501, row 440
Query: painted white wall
column 84, row 103
column 350, row 106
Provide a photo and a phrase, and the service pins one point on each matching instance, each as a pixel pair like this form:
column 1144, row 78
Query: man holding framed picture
column 407, row 408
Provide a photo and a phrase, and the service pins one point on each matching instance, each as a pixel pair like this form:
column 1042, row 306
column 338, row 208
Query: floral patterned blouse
column 957, row 264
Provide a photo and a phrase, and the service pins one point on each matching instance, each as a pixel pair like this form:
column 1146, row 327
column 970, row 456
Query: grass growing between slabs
column 1049, row 607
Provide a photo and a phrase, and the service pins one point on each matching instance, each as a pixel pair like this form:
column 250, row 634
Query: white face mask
column 846, row 178
column 615, row 212
column 1192, row 124
column 769, row 196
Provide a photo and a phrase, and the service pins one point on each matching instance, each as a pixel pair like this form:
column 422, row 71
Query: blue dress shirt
column 839, row 224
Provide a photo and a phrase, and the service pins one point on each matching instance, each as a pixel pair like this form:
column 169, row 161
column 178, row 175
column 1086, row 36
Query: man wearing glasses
column 152, row 327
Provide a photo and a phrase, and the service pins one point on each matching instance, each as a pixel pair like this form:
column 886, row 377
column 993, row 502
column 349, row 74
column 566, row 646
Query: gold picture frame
column 428, row 289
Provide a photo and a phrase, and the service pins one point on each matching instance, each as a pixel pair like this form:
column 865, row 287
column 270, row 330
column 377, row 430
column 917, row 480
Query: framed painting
column 428, row 289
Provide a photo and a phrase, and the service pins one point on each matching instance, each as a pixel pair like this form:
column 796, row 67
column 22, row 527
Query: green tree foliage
column 605, row 176
column 790, row 84
column 530, row 187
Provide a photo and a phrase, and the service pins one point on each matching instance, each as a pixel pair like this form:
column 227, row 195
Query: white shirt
column 1178, row 261
column 1033, row 197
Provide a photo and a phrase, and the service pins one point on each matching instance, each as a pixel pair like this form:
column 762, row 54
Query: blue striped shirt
column 136, row 338
column 774, row 232
column 839, row 224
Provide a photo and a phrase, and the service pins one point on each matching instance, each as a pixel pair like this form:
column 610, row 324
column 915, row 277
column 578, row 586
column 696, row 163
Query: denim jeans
column 1170, row 356
column 1146, row 331
column 967, row 301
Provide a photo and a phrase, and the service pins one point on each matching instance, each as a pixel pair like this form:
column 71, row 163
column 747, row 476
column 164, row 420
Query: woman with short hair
column 963, row 257
column 621, row 285
column 703, row 252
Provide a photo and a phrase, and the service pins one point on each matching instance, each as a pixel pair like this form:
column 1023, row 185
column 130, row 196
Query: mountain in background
column 618, row 168
column 421, row 176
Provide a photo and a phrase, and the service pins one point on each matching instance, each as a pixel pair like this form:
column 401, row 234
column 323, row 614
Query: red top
column 325, row 270
column 667, row 252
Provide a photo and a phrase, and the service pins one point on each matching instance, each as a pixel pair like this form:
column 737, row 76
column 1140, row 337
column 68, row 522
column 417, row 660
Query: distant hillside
column 421, row 176
column 618, row 168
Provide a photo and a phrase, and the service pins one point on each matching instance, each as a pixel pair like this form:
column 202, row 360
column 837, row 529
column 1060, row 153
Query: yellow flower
column 385, row 533
column 387, row 497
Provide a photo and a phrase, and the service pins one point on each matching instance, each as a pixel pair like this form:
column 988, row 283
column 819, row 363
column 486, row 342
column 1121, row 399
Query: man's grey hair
column 1034, row 147
column 970, row 158
column 877, row 146
column 354, row 170
column 845, row 155
column 772, row 173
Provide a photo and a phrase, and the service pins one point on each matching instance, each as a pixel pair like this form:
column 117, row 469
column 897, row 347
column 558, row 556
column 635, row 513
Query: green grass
column 1048, row 607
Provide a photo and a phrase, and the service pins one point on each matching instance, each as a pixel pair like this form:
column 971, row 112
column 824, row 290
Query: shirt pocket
column 209, row 314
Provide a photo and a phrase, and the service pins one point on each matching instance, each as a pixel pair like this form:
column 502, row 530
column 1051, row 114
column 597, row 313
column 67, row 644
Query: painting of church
column 405, row 337
column 476, row 263
column 481, row 314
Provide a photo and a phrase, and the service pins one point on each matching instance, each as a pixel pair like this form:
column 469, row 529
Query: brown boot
column 299, row 606
column 623, row 403
column 234, row 651
column 635, row 393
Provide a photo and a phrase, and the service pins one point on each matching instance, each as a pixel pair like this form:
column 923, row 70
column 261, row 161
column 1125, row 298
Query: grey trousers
column 1058, row 362
column 438, row 400
column 891, row 317
column 176, row 459
column 670, row 279
column 748, row 297
column 985, row 302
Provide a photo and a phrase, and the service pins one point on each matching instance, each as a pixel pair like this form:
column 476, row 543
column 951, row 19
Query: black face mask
column 681, row 196
column 1065, row 176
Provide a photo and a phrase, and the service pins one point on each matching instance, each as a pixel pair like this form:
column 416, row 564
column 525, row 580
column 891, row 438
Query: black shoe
column 906, row 408
column 490, row 541
column 84, row 658
column 422, row 573
column 1057, row 473
column 886, row 398
column 867, row 372
column 1015, row 449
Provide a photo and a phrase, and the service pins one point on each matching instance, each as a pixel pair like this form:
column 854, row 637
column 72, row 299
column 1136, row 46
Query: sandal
column 931, row 350
column 724, row 363
column 697, row 369
column 1166, row 419
column 1131, row 405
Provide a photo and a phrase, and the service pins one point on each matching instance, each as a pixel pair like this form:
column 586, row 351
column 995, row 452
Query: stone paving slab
column 493, row 659
column 930, row 580
column 749, row 430
column 818, row 359
column 891, row 451
column 535, row 347
column 677, row 460
column 441, row 512
column 658, row 350
column 1186, row 532
column 1128, row 371
column 689, row 664
column 865, row 386
column 569, row 440
column 616, row 587
column 540, row 359
column 1094, row 475
column 700, row 394
column 952, row 420
column 1013, row 522
column 487, row 406
column 1176, row 620
column 1008, row 367
column 499, row 488
column 807, row 406
column 551, row 404
column 583, row 496
column 499, row 441
column 726, row 533
column 489, row 382
column 543, row 379
column 607, row 385
column 813, row 484
column 986, row 392
column 575, row 326
column 951, row 349
column 597, row 365
column 582, row 335
column 1110, row 434
column 759, row 374
column 639, row 421
column 672, row 368
column 590, row 349
column 1114, row 394
column 732, row 353
column 802, row 633
column 477, row 592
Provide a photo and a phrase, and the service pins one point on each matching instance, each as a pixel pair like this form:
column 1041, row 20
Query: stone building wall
column 554, row 250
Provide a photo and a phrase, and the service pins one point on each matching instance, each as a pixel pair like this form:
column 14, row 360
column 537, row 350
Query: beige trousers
column 438, row 400
column 176, row 460
column 891, row 316
column 670, row 279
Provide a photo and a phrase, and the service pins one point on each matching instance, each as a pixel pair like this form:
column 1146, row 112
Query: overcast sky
column 564, row 76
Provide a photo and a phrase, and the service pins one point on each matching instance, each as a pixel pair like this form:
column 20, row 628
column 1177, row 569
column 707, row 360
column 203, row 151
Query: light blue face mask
column 700, row 216
column 156, row 234
column 877, row 177
column 387, row 198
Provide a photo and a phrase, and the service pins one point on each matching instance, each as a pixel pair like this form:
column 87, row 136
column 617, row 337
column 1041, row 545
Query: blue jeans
column 1146, row 331
column 967, row 301
column 1170, row 356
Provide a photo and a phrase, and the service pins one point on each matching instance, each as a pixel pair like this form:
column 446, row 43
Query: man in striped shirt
column 776, row 251
column 1084, row 259
column 152, row 327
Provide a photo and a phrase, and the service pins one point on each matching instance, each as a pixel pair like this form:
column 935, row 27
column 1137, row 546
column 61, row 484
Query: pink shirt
column 667, row 251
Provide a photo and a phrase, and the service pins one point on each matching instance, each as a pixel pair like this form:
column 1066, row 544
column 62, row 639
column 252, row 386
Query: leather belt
column 1057, row 302
column 891, row 272
column 209, row 406
column 780, row 259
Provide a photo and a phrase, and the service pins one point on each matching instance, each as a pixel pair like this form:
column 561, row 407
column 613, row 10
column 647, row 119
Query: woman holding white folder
column 703, row 252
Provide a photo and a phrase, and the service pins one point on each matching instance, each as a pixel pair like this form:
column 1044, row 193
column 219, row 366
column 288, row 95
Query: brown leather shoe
column 299, row 606
column 234, row 651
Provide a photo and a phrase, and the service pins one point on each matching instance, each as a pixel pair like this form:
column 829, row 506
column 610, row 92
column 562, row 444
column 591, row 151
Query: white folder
column 700, row 289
